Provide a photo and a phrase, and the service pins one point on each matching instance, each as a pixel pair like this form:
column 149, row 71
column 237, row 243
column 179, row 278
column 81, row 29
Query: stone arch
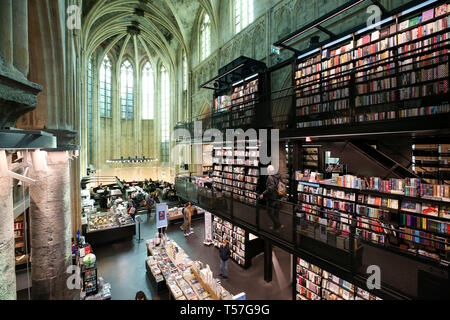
column 304, row 12
column 246, row 47
column 283, row 22
column 259, row 43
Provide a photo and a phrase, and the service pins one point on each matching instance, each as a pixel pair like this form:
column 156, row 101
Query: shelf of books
column 432, row 162
column 20, row 241
column 402, row 213
column 310, row 158
column 236, row 171
column 400, row 71
column 241, row 104
column 314, row 283
column 243, row 246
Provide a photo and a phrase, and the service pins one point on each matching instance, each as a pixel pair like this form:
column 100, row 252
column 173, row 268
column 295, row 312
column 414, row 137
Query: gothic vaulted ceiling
column 160, row 27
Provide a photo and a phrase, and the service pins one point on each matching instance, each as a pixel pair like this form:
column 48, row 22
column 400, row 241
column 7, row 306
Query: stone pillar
column 7, row 259
column 6, row 33
column 20, row 20
column 51, row 228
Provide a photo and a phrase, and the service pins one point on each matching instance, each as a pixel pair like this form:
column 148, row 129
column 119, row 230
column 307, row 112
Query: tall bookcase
column 432, row 162
column 243, row 245
column 237, row 107
column 400, row 71
column 237, row 172
column 314, row 283
column 395, row 212
column 21, row 236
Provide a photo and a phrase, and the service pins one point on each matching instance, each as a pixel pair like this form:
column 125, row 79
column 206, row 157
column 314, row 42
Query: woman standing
column 187, row 213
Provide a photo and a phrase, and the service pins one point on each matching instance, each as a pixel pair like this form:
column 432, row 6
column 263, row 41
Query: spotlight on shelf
column 136, row 159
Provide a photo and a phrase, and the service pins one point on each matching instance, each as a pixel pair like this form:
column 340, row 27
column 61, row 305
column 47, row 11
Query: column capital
column 18, row 96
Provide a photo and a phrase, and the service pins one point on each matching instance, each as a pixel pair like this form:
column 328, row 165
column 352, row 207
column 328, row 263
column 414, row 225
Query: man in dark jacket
column 272, row 198
column 224, row 253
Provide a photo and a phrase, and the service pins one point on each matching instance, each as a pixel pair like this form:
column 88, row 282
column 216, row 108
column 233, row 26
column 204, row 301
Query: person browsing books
column 224, row 253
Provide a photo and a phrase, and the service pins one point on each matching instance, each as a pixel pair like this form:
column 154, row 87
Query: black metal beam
column 351, row 30
column 379, row 5
column 317, row 22
column 325, row 30
column 295, row 51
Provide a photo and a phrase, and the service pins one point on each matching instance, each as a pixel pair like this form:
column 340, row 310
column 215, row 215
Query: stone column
column 6, row 33
column 20, row 19
column 7, row 259
column 51, row 228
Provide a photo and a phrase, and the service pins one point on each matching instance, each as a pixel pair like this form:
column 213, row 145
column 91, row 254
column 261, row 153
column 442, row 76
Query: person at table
column 224, row 253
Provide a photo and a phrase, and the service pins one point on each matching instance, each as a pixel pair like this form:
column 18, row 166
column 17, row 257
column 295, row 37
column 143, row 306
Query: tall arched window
column 185, row 73
column 243, row 14
column 105, row 88
column 148, row 92
column 165, row 114
column 205, row 37
column 127, row 90
column 89, row 90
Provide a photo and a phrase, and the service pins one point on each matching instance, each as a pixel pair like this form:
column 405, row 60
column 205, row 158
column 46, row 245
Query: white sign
column 208, row 226
column 161, row 215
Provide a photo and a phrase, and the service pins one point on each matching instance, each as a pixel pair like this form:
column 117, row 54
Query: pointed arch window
column 243, row 14
column 205, row 37
column 185, row 73
column 90, row 85
column 105, row 88
column 127, row 90
column 165, row 115
column 148, row 92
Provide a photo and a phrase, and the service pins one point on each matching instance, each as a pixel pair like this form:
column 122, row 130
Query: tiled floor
column 123, row 265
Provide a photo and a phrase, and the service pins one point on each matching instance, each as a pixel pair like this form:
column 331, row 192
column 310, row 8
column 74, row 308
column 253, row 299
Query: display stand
column 139, row 221
column 204, row 285
column 89, row 276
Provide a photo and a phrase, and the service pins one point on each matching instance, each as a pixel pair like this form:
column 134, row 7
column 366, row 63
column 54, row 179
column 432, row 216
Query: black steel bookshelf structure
column 387, row 75
column 237, row 170
column 240, row 94
column 243, row 248
column 357, row 87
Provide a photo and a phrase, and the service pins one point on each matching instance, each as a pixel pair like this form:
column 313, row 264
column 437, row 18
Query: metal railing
column 345, row 253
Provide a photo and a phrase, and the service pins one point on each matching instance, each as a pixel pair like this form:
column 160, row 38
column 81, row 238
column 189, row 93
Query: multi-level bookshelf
column 314, row 283
column 237, row 107
column 401, row 213
column 400, row 71
column 246, row 95
column 243, row 245
column 236, row 171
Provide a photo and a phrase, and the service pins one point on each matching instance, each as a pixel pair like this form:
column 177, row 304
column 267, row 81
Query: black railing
column 342, row 253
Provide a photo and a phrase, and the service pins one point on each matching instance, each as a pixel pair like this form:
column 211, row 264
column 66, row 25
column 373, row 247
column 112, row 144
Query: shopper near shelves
column 187, row 214
column 131, row 210
column 141, row 296
column 224, row 253
column 149, row 204
column 272, row 198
